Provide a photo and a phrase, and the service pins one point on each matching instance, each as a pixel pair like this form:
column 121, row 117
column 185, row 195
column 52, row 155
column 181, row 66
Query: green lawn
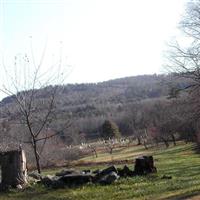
column 180, row 162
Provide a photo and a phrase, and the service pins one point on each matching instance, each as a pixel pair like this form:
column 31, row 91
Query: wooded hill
column 87, row 105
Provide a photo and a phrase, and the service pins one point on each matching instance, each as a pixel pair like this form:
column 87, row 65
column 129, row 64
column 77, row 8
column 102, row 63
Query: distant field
column 118, row 154
column 182, row 163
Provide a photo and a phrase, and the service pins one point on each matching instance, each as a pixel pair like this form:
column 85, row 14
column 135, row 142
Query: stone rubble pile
column 71, row 177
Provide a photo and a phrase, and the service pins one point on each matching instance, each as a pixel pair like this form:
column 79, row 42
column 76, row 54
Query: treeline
column 131, row 102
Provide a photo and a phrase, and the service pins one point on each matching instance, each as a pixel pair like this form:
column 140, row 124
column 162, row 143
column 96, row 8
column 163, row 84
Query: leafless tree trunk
column 145, row 144
column 173, row 139
column 93, row 148
column 165, row 142
column 139, row 140
column 36, row 114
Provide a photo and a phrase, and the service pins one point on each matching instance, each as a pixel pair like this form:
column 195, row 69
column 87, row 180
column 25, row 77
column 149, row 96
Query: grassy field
column 181, row 162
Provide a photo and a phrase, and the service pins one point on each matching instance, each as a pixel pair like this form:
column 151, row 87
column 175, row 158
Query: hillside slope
column 87, row 105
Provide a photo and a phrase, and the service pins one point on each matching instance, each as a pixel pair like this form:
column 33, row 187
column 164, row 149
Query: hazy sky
column 101, row 39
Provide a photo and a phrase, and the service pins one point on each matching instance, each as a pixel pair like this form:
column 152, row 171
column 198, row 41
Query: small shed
column 13, row 168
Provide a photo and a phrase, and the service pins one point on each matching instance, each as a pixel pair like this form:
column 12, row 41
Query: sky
column 98, row 39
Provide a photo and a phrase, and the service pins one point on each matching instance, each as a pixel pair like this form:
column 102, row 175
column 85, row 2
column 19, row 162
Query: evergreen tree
column 110, row 130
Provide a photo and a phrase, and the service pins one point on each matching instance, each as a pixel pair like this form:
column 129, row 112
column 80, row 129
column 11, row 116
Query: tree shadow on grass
column 22, row 195
column 177, row 151
column 187, row 173
column 183, row 196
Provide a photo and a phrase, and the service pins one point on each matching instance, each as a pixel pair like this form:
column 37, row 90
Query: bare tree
column 27, row 83
column 137, row 121
column 93, row 148
column 184, row 58
column 110, row 145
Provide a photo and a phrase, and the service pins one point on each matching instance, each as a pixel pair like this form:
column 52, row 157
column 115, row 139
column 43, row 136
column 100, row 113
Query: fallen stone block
column 108, row 178
column 108, row 170
column 35, row 175
column 86, row 171
column 76, row 179
column 48, row 180
column 67, row 171
column 125, row 172
column 96, row 171
column 53, row 182
column 104, row 172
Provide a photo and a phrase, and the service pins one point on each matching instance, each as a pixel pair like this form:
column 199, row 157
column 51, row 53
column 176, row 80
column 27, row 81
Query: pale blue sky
column 101, row 39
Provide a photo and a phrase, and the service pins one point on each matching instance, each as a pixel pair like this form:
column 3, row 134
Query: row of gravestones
column 102, row 142
column 71, row 177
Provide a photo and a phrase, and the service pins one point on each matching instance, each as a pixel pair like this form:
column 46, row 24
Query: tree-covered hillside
column 144, row 107
column 85, row 104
